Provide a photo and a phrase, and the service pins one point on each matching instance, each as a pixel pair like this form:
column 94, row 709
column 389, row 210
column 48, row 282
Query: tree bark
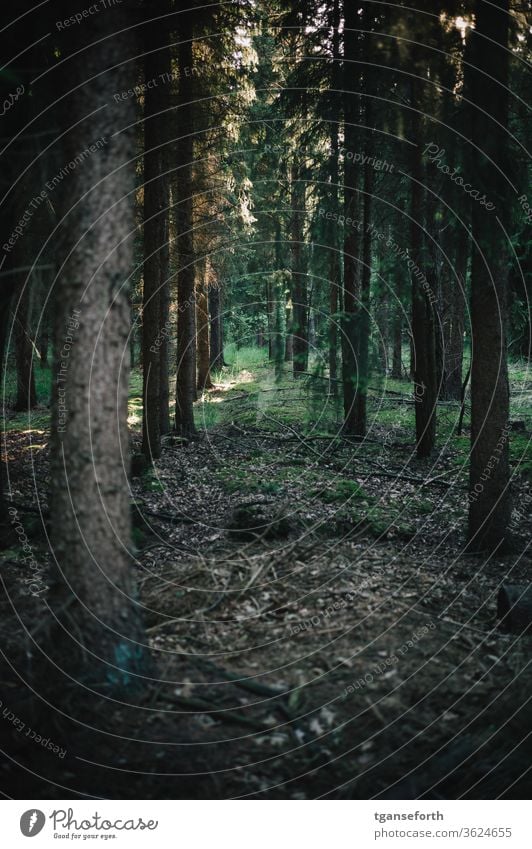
column 43, row 350
column 489, row 481
column 99, row 636
column 186, row 304
column 335, row 282
column 215, row 318
column 164, row 355
column 166, row 133
column 351, row 238
column 299, row 276
column 423, row 341
column 454, row 342
column 397, row 356
column 202, row 324
column 363, row 307
column 156, row 202
column 26, row 395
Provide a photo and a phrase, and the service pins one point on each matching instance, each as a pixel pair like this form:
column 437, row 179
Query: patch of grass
column 134, row 403
column 340, row 491
column 374, row 522
column 245, row 482
column 36, row 420
column 43, row 384
column 247, row 358
column 422, row 506
column 150, row 482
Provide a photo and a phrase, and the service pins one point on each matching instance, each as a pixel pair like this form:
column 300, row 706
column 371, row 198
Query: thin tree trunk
column 423, row 344
column 166, row 134
column 44, row 324
column 44, row 341
column 24, row 28
column 202, row 324
column 351, row 239
column 155, row 238
column 363, row 309
column 215, row 318
column 26, row 395
column 186, row 306
column 454, row 350
column 335, row 282
column 397, row 356
column 99, row 637
column 164, row 378
column 299, row 277
column 489, row 483
column 7, row 291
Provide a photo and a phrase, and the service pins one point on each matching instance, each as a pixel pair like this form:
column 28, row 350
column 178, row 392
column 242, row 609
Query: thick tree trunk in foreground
column 489, row 482
column 186, row 303
column 99, row 636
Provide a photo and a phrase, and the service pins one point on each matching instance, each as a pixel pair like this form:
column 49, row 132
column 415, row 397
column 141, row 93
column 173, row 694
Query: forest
column 265, row 340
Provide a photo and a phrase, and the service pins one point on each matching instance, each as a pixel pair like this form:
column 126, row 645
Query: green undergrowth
column 249, row 395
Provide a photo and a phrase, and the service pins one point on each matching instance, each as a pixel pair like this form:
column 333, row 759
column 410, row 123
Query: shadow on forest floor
column 317, row 629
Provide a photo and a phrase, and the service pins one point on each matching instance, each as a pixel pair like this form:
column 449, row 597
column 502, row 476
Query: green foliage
column 151, row 483
column 341, row 491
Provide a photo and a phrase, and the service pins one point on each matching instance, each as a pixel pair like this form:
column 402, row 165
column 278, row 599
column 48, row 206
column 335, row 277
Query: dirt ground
column 318, row 630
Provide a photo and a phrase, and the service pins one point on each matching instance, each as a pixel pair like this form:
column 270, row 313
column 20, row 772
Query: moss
column 150, row 482
column 342, row 490
column 243, row 481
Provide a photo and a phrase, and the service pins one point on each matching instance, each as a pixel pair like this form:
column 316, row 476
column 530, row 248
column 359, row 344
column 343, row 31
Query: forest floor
column 318, row 629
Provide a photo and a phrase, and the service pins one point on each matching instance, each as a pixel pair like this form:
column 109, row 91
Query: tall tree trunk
column 164, row 377
column 151, row 436
column 335, row 282
column 186, row 303
column 156, row 202
column 279, row 350
column 289, row 339
column 202, row 324
column 351, row 239
column 166, row 134
column 397, row 354
column 299, row 276
column 423, row 342
column 44, row 322
column 215, row 318
column 363, row 308
column 8, row 286
column 18, row 156
column 26, row 395
column 489, row 482
column 100, row 637
column 454, row 343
